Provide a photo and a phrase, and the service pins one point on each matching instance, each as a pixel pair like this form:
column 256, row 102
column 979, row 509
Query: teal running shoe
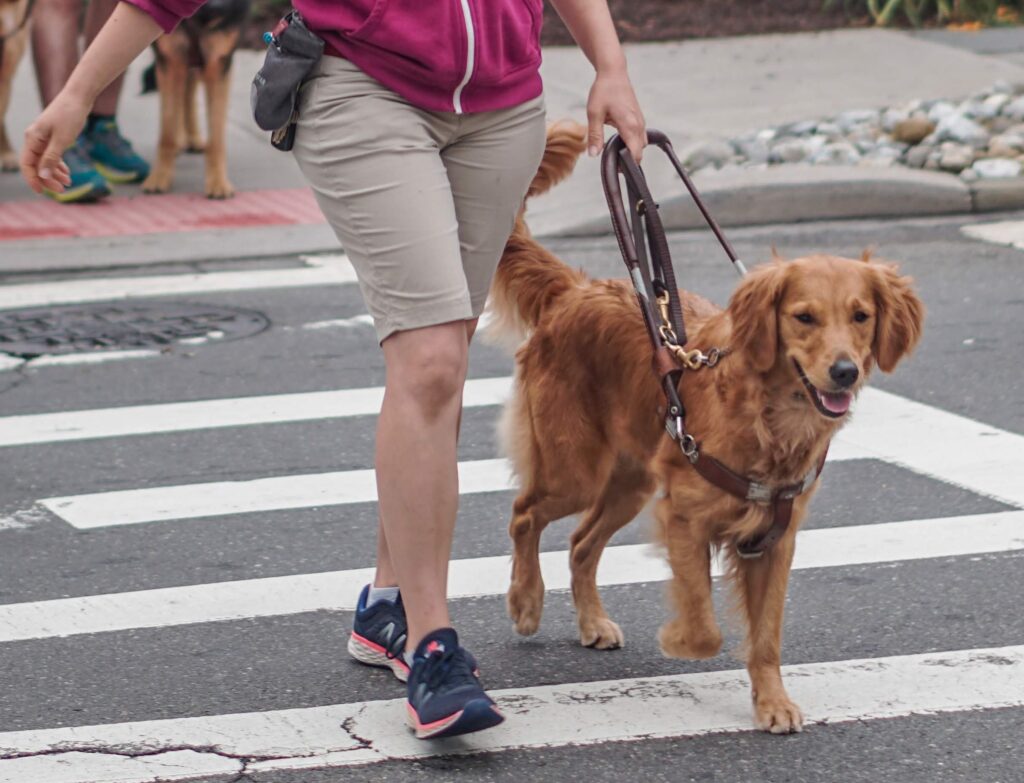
column 87, row 184
column 112, row 153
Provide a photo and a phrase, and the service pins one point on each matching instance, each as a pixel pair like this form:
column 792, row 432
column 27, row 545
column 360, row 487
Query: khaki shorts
column 421, row 201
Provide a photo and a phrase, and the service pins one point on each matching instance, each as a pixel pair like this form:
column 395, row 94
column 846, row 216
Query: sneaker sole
column 477, row 715
column 117, row 176
column 83, row 194
column 365, row 651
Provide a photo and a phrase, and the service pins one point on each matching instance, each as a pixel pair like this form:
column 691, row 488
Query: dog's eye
column 860, row 316
column 804, row 318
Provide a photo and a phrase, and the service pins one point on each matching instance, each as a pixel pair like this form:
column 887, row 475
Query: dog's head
column 822, row 323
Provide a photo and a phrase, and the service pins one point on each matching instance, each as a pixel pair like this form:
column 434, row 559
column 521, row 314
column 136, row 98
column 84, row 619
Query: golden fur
column 585, row 428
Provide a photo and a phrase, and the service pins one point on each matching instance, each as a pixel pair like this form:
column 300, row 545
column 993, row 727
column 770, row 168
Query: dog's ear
column 754, row 313
column 900, row 316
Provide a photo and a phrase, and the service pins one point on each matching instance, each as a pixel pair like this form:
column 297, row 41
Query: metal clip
column 759, row 493
column 747, row 554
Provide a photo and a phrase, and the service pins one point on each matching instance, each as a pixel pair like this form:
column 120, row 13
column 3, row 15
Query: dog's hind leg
column 531, row 513
column 217, row 48
column 761, row 585
column 171, row 75
column 628, row 489
column 694, row 633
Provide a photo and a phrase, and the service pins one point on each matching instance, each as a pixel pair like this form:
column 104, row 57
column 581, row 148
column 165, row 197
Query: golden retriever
column 585, row 426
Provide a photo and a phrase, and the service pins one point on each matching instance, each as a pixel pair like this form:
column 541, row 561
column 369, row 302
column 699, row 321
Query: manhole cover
column 109, row 327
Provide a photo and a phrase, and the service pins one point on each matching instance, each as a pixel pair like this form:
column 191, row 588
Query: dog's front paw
column 777, row 714
column 218, row 187
column 525, row 606
column 158, row 181
column 601, row 633
column 680, row 641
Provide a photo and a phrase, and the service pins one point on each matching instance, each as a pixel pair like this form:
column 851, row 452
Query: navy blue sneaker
column 445, row 696
column 378, row 635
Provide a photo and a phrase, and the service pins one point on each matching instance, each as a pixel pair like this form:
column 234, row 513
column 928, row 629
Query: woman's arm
column 611, row 99
column 125, row 35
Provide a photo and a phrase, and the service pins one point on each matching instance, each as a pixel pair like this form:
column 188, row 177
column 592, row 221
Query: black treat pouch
column 292, row 51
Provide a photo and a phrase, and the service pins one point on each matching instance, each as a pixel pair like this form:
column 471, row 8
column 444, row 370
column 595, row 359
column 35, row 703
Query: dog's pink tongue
column 838, row 402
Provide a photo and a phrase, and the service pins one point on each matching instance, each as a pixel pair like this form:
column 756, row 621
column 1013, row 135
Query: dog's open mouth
column 831, row 404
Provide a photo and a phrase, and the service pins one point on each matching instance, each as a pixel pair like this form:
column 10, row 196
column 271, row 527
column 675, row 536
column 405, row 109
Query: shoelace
column 450, row 665
column 108, row 134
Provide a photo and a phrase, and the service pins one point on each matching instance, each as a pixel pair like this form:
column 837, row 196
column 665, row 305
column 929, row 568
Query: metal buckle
column 759, row 493
column 688, row 444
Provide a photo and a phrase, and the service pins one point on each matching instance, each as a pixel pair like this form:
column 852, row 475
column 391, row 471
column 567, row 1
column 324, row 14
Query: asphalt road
column 968, row 365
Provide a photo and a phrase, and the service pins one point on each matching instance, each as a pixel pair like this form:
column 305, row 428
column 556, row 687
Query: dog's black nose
column 844, row 372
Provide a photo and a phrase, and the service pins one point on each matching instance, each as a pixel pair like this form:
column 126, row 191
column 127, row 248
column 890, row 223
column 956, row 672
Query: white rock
column 940, row 109
column 789, row 151
column 1002, row 86
column 997, row 168
column 891, row 116
column 837, row 153
column 997, row 101
column 830, row 131
column 849, row 120
column 713, row 153
column 978, row 110
column 969, row 175
column 956, row 127
column 755, row 150
column 1014, row 109
column 879, row 159
column 766, row 135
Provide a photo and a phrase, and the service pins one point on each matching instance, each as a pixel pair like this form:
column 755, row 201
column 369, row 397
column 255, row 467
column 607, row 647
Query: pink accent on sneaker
column 362, row 640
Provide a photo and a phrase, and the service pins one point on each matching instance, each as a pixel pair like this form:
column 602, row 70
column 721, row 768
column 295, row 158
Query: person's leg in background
column 111, row 152
column 56, row 26
column 56, row 30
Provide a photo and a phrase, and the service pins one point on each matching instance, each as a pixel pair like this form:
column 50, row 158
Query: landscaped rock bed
column 981, row 137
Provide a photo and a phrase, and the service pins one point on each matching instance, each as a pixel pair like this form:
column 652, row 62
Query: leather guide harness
column 655, row 284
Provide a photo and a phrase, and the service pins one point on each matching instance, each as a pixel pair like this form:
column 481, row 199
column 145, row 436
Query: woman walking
column 419, row 132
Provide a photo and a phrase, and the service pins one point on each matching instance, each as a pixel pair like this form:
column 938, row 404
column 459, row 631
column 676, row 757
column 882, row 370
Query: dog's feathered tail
column 529, row 278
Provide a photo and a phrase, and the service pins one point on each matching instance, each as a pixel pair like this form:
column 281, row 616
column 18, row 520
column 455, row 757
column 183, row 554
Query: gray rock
column 879, row 158
column 849, row 120
column 999, row 124
column 830, row 131
column 789, row 151
column 805, row 128
column 837, row 153
column 997, row 101
column 915, row 157
column 713, row 153
column 754, row 150
column 997, row 168
column 956, row 127
column 940, row 110
column 969, row 175
column 955, row 157
column 891, row 117
column 1014, row 109
column 1002, row 86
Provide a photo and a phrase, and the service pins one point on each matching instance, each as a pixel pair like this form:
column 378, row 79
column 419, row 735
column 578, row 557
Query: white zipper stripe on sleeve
column 467, row 17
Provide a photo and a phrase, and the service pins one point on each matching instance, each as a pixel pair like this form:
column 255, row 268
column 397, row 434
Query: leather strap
column 657, row 278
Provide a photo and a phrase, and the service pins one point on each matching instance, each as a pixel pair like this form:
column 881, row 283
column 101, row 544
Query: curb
column 798, row 194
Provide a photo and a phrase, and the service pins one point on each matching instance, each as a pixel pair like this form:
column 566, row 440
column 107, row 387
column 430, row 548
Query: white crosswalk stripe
column 549, row 716
column 886, row 542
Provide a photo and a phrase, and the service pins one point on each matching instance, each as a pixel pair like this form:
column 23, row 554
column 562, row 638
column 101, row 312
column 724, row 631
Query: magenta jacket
column 443, row 55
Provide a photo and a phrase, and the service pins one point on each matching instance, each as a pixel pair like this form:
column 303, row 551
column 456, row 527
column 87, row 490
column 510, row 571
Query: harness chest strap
column 780, row 499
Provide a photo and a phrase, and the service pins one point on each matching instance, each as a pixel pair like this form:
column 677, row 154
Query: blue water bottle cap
column 268, row 38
